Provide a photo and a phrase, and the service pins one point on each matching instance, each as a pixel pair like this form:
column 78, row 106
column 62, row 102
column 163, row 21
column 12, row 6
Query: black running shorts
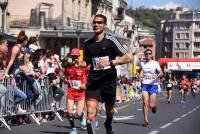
column 102, row 86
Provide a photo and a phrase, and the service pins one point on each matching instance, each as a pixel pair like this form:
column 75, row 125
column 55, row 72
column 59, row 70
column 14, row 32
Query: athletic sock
column 71, row 121
column 89, row 127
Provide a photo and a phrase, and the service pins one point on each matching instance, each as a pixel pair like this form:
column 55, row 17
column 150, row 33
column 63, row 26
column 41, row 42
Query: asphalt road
column 173, row 118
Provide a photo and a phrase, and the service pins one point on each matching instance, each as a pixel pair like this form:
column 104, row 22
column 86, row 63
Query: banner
column 183, row 66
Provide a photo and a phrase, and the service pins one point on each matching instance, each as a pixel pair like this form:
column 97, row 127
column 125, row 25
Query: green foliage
column 147, row 18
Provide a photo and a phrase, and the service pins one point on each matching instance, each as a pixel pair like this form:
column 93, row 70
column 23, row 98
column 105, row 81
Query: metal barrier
column 129, row 92
column 42, row 104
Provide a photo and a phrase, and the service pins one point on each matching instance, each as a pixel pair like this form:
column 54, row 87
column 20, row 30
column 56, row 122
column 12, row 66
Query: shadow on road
column 135, row 124
column 51, row 132
column 62, row 126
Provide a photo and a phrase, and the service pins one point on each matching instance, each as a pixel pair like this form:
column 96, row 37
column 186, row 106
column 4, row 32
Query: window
column 187, row 45
column 178, row 36
column 177, row 55
column 186, row 55
column 182, row 55
column 177, row 45
column 187, row 26
column 186, row 35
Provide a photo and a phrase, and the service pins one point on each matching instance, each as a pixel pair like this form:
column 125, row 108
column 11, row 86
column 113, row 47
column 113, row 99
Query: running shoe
column 96, row 124
column 109, row 132
column 145, row 124
column 21, row 111
column 182, row 101
column 108, row 128
column 83, row 122
column 90, row 127
column 73, row 131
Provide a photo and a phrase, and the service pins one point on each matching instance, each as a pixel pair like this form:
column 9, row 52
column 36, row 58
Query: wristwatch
column 111, row 63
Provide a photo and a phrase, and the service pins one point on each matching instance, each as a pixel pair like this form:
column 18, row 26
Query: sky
column 160, row 4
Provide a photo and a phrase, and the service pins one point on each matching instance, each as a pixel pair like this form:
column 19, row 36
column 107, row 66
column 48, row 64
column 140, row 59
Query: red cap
column 75, row 52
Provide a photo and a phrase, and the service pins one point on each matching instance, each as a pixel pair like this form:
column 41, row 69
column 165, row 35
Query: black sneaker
column 154, row 109
column 90, row 127
column 108, row 128
column 109, row 132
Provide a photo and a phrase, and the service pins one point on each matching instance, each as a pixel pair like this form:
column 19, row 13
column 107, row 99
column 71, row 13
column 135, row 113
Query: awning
column 72, row 33
column 66, row 34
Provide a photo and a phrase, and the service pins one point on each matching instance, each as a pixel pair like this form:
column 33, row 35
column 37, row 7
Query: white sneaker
column 21, row 111
column 96, row 122
column 73, row 131
column 83, row 123
column 44, row 120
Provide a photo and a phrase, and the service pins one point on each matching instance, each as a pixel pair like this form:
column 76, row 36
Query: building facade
column 179, row 35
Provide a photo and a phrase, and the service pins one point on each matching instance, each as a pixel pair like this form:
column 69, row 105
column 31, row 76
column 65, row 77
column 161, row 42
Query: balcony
column 19, row 21
column 35, row 22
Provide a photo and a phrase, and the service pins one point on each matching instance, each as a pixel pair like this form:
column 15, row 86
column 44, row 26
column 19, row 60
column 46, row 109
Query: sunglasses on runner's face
column 147, row 53
column 98, row 22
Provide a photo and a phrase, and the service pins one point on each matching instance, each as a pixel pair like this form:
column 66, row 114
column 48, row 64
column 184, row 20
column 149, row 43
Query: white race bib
column 149, row 77
column 96, row 60
column 75, row 84
column 169, row 85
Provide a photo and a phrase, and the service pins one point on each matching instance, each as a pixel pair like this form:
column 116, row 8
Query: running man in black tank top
column 100, row 53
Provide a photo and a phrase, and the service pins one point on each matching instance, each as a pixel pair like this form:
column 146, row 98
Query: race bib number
column 169, row 85
column 75, row 84
column 149, row 77
column 95, row 62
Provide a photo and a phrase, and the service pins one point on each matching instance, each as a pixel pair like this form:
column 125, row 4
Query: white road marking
column 177, row 119
column 166, row 125
column 121, row 117
column 184, row 115
column 154, row 132
column 139, row 109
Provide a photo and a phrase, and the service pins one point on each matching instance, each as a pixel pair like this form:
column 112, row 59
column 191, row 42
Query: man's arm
column 160, row 74
column 123, row 59
column 119, row 61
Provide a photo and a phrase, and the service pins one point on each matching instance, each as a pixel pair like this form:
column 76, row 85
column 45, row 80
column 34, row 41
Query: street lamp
column 135, row 49
column 3, row 5
column 78, row 32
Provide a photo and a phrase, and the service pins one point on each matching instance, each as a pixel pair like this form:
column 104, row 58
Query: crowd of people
column 89, row 81
column 183, row 85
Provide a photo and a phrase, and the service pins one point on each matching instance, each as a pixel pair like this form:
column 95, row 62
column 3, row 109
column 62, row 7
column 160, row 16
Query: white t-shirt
column 33, row 47
column 150, row 71
column 51, row 69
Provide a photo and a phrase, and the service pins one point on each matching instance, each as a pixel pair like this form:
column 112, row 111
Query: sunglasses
column 98, row 22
